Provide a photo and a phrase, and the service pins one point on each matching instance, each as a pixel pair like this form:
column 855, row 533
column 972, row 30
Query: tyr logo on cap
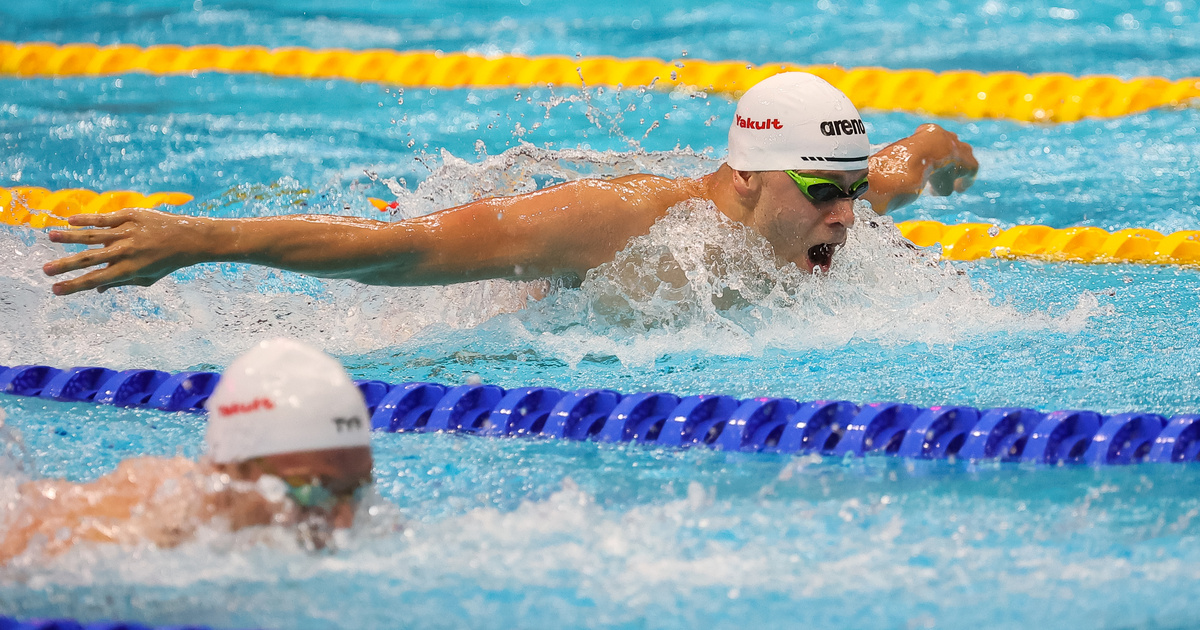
column 348, row 424
column 747, row 123
column 842, row 127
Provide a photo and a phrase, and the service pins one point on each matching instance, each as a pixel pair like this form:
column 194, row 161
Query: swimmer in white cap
column 798, row 158
column 288, row 443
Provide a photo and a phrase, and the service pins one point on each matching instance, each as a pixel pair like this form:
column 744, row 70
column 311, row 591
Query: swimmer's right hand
column 138, row 247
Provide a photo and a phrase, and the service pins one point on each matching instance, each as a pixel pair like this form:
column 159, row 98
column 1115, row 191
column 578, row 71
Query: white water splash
column 513, row 172
column 211, row 314
column 697, row 282
column 700, row 282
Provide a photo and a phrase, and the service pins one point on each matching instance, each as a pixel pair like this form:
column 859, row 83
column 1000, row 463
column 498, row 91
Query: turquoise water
column 504, row 533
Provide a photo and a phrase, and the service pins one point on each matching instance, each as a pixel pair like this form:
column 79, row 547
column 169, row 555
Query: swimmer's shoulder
column 652, row 193
column 152, row 468
column 138, row 473
column 143, row 475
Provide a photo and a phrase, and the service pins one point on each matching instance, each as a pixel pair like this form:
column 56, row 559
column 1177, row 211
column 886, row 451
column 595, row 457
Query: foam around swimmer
column 215, row 312
column 284, row 397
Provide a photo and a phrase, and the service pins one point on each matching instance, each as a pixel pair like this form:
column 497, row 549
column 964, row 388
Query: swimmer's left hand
column 931, row 158
column 954, row 170
column 138, row 247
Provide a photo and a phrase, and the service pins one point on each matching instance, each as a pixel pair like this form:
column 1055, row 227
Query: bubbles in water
column 700, row 282
column 15, row 465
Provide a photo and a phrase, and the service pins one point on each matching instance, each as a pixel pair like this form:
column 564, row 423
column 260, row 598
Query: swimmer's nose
column 842, row 212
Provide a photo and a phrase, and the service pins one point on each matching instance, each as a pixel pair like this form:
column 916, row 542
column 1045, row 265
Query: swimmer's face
column 338, row 471
column 802, row 231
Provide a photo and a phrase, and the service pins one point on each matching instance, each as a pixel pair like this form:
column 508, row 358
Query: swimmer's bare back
column 146, row 499
column 561, row 231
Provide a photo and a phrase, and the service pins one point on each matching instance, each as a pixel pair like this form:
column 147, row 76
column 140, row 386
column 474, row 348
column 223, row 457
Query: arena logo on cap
column 747, row 123
column 254, row 405
column 842, row 127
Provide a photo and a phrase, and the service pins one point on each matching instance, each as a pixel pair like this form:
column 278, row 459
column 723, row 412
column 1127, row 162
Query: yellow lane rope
column 41, row 208
column 971, row 241
column 961, row 93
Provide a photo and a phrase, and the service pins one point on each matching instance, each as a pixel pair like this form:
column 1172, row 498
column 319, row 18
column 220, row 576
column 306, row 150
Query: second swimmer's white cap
column 797, row 121
column 283, row 396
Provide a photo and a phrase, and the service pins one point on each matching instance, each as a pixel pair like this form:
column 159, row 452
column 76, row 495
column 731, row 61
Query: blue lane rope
column 765, row 425
column 12, row 623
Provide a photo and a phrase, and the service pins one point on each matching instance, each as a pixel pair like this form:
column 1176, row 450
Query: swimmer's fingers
column 108, row 277
column 967, row 164
column 92, row 237
column 141, row 282
column 139, row 247
column 958, row 178
column 942, row 181
column 956, row 175
column 89, row 237
column 83, row 260
column 953, row 161
column 106, row 220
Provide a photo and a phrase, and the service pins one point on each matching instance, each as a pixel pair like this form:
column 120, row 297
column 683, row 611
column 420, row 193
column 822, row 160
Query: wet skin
column 560, row 231
column 162, row 501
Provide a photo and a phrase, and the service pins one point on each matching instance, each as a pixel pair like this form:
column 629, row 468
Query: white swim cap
column 284, row 397
column 797, row 121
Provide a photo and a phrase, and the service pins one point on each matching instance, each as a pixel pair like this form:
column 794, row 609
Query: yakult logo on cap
column 747, row 123
column 254, row 405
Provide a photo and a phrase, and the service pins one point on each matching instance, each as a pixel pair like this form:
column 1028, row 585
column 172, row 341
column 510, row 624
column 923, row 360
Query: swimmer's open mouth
column 821, row 255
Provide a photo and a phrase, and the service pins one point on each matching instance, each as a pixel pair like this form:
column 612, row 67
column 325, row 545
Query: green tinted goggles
column 311, row 493
column 822, row 190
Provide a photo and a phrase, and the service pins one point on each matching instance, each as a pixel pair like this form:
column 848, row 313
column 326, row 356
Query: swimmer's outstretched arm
column 931, row 155
column 563, row 230
column 559, row 231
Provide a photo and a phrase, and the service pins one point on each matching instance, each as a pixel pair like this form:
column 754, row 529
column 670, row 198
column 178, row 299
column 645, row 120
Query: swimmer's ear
column 747, row 184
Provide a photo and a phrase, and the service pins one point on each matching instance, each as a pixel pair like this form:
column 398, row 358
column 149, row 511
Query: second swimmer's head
column 288, row 410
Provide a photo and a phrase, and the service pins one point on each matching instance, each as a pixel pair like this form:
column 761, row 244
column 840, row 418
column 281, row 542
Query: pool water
column 502, row 533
